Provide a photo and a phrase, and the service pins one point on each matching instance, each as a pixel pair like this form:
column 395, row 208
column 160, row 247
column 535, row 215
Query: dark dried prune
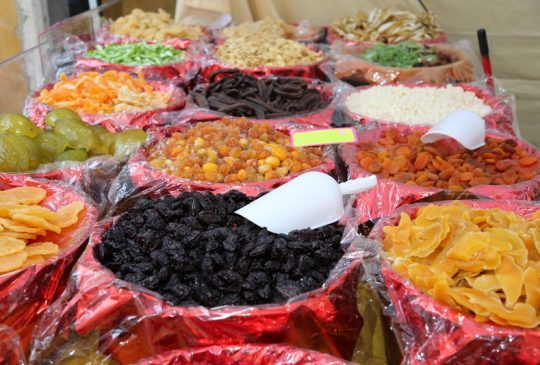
column 194, row 250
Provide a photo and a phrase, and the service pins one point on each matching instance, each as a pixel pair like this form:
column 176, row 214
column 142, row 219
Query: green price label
column 323, row 136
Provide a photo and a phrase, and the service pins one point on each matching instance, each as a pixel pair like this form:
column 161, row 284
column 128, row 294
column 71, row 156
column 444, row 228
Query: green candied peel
column 404, row 55
column 137, row 54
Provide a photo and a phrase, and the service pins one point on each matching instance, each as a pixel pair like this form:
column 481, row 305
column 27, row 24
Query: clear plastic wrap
column 135, row 323
column 11, row 351
column 181, row 73
column 311, row 71
column 244, row 355
column 139, row 175
column 26, row 293
column 433, row 333
column 501, row 118
column 35, row 110
column 389, row 195
column 320, row 119
column 352, row 68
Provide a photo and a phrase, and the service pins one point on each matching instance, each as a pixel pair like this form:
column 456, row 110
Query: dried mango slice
column 10, row 246
column 68, row 215
column 510, row 275
column 22, row 195
column 41, row 248
column 531, row 281
column 37, row 222
column 12, row 262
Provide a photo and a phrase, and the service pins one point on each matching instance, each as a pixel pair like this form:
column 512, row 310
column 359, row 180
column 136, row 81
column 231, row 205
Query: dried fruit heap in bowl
column 26, row 227
column 404, row 158
column 405, row 55
column 258, row 50
column 137, row 54
column 387, row 26
column 109, row 92
column 153, row 26
column 231, row 151
column 194, row 250
column 484, row 262
column 266, row 27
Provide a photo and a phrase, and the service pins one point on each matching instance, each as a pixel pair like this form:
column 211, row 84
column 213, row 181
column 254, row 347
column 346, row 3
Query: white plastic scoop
column 312, row 200
column 464, row 126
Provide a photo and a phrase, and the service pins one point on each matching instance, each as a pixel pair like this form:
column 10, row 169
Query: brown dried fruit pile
column 404, row 158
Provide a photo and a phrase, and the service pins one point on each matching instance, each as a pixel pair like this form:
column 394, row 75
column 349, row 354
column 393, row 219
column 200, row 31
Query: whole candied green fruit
column 51, row 144
column 106, row 139
column 13, row 156
column 72, row 155
column 127, row 142
column 78, row 134
column 53, row 116
column 34, row 152
column 18, row 124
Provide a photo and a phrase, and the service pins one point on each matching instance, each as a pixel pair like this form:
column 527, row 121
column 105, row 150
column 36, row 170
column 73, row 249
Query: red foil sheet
column 436, row 334
column 389, row 195
column 178, row 73
column 501, row 118
column 26, row 293
column 332, row 37
column 311, row 71
column 135, row 323
column 244, row 355
column 320, row 118
column 35, row 110
column 11, row 351
column 145, row 176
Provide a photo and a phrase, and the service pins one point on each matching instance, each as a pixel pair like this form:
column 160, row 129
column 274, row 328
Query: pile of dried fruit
column 387, row 26
column 24, row 225
column 110, row 92
column 258, row 50
column 193, row 250
column 405, row 55
column 150, row 26
column 242, row 95
column 137, row 54
column 479, row 261
column 266, row 27
column 404, row 158
column 231, row 151
column 24, row 146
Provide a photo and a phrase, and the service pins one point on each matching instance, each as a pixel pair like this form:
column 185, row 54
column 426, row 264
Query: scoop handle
column 358, row 185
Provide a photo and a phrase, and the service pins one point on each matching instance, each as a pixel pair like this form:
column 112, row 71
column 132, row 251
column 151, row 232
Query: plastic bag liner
column 433, row 333
column 26, row 293
column 321, row 118
column 388, row 195
column 311, row 70
column 351, row 67
column 333, row 37
column 244, row 355
column 500, row 119
column 180, row 73
column 11, row 351
column 138, row 174
column 35, row 110
column 135, row 323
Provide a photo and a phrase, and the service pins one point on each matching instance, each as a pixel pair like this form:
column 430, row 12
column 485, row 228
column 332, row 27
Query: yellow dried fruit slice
column 41, row 248
column 37, row 222
column 35, row 210
column 16, row 226
column 68, row 215
column 10, row 246
column 33, row 260
column 510, row 276
column 19, row 235
column 12, row 262
column 23, row 195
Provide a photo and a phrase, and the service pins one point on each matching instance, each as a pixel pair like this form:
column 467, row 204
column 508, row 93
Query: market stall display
column 153, row 26
column 468, row 268
column 406, row 62
column 114, row 99
column 387, row 26
column 25, row 146
column 410, row 170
